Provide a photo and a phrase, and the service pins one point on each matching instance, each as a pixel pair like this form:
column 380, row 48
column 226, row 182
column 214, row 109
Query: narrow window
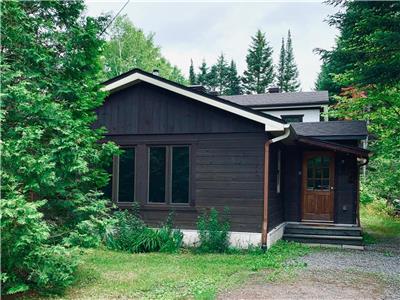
column 157, row 170
column 180, row 174
column 292, row 118
column 278, row 172
column 126, row 176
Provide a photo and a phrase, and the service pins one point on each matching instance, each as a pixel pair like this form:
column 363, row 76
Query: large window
column 157, row 172
column 169, row 174
column 180, row 175
column 126, row 176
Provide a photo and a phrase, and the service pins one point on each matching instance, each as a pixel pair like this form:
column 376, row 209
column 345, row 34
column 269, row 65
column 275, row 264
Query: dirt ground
column 333, row 274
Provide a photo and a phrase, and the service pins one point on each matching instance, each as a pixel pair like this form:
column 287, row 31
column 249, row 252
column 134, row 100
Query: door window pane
column 180, row 175
column 318, row 173
column 126, row 181
column 157, row 169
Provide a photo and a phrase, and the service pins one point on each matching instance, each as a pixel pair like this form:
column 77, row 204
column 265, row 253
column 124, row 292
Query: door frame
column 332, row 182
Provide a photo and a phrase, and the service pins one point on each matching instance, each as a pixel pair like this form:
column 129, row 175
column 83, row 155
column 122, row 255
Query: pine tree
column 291, row 74
column 222, row 74
column 202, row 76
column 281, row 66
column 260, row 70
column 234, row 87
column 192, row 74
column 211, row 82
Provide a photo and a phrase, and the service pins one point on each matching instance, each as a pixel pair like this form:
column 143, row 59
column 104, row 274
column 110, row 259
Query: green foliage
column 192, row 74
column 129, row 47
column 52, row 268
column 234, row 86
column 202, row 76
column 290, row 73
column 129, row 233
column 51, row 159
column 260, row 69
column 27, row 262
column 379, row 220
column 213, row 232
column 362, row 74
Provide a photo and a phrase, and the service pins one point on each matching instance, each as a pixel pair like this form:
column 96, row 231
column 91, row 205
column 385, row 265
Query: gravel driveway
column 334, row 274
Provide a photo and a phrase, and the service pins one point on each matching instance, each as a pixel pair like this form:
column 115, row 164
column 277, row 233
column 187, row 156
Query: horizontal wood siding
column 275, row 201
column 346, row 188
column 291, row 182
column 227, row 171
column 147, row 109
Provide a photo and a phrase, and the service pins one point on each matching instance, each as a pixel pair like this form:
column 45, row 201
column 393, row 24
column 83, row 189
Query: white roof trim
column 270, row 125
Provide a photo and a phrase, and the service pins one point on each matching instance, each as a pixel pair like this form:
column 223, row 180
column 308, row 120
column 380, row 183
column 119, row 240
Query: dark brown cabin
column 187, row 151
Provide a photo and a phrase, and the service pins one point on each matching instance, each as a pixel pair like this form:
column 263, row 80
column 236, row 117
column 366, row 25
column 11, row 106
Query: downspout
column 264, row 229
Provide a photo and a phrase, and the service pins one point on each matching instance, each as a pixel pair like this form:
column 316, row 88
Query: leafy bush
column 129, row 233
column 27, row 262
column 213, row 231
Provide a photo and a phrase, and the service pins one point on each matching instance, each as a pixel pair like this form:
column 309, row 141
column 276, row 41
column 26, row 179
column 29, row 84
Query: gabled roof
column 281, row 99
column 136, row 75
column 332, row 130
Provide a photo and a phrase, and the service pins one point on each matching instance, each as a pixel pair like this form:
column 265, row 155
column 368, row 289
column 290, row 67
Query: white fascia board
column 270, row 125
column 316, row 106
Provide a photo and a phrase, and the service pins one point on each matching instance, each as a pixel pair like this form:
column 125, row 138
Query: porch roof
column 357, row 151
column 332, row 130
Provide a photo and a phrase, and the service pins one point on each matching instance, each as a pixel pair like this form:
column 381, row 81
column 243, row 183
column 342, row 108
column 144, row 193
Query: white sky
column 203, row 29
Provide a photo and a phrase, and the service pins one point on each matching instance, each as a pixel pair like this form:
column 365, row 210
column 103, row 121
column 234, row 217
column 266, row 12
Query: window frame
column 301, row 116
column 168, row 175
column 115, row 179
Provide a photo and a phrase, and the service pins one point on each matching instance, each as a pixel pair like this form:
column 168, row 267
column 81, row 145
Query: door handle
column 331, row 187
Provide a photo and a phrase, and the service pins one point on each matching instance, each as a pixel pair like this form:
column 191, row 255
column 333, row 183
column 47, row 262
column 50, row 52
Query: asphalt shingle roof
column 332, row 129
column 280, row 99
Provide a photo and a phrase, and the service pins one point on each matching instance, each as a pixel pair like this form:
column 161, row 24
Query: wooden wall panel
column 227, row 171
column 147, row 109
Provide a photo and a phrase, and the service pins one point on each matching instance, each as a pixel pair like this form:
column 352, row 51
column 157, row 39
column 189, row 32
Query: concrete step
column 324, row 239
column 323, row 230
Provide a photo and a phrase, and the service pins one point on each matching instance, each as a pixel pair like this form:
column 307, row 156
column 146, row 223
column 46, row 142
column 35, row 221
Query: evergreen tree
column 202, row 76
column 192, row 75
column 260, row 70
column 212, row 82
column 222, row 75
column 281, row 66
column 234, row 87
column 291, row 74
column 52, row 163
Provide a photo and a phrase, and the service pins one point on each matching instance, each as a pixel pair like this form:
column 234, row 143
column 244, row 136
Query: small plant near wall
column 129, row 233
column 213, row 231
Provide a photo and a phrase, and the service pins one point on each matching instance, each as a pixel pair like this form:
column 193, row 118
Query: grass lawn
column 377, row 224
column 108, row 274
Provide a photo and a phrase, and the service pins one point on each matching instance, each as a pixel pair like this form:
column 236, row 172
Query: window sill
column 182, row 207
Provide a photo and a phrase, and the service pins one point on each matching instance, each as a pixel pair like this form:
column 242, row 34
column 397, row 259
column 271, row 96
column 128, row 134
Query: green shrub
column 27, row 262
column 129, row 233
column 213, row 231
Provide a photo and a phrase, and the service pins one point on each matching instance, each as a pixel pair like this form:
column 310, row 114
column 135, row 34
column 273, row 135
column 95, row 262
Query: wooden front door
column 318, row 182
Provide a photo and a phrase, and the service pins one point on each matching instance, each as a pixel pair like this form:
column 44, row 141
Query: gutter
column 264, row 229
